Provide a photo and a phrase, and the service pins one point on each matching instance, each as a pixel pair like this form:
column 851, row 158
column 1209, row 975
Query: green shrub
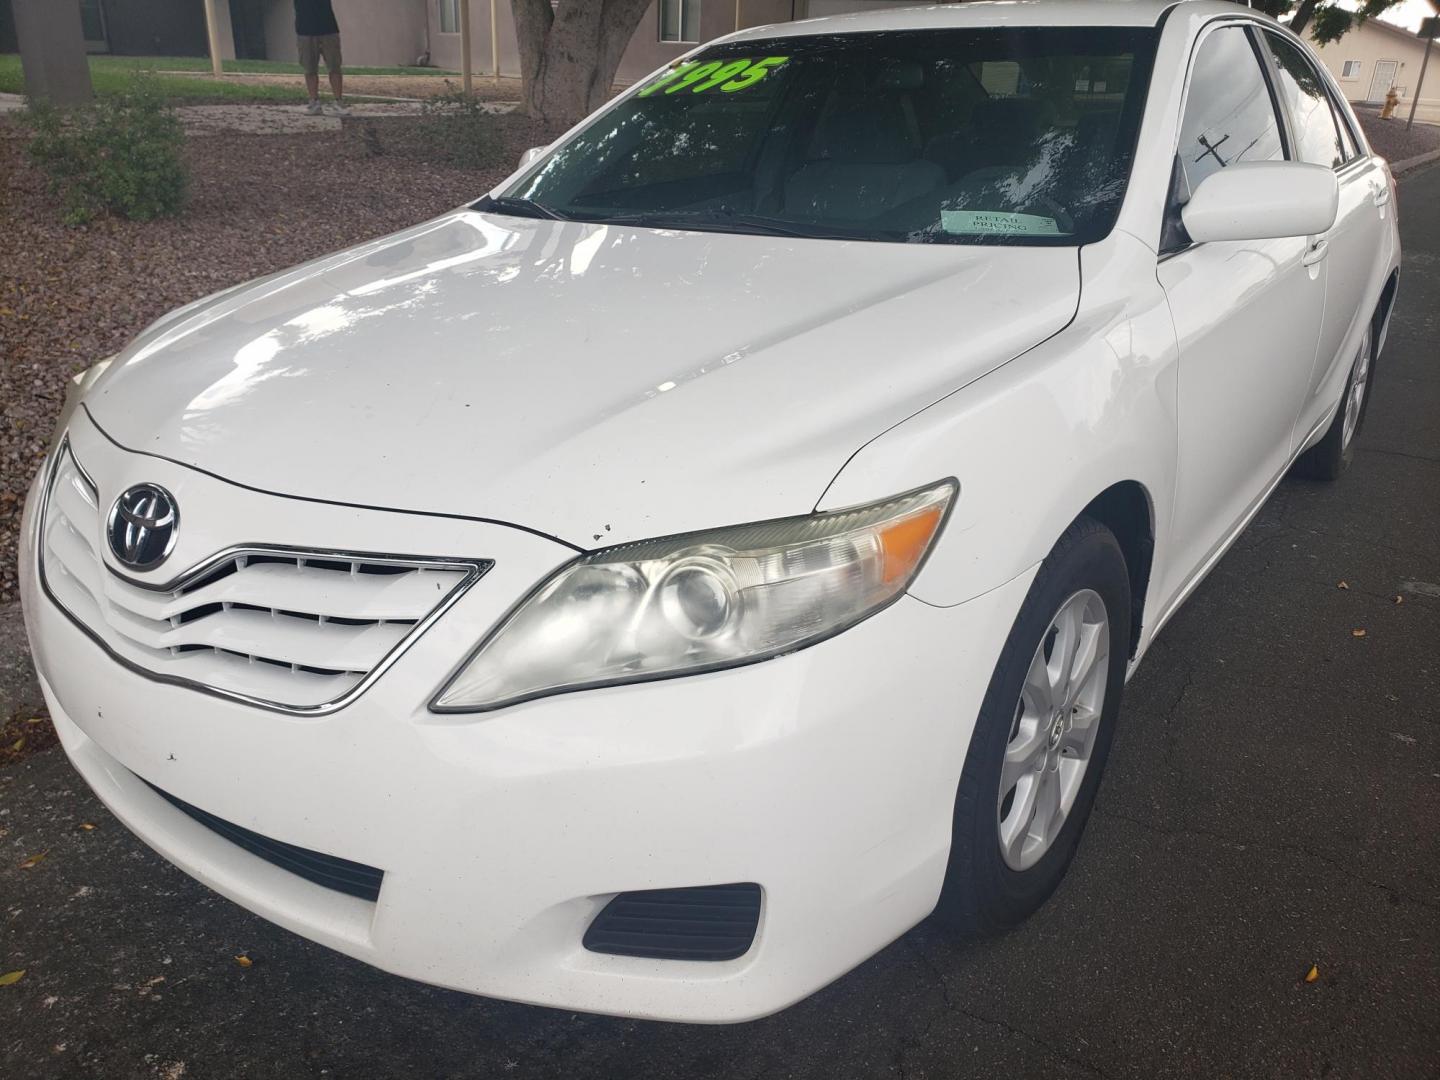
column 122, row 155
column 456, row 127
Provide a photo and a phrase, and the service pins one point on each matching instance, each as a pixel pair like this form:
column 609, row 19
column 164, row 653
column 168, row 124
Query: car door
column 1354, row 247
column 1247, row 314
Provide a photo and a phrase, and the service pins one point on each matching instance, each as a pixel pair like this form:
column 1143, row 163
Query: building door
column 1383, row 79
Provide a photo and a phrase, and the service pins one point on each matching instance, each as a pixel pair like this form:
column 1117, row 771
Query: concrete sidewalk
column 278, row 119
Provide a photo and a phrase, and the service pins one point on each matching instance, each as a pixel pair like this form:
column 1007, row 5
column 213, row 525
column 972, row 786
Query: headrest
column 900, row 75
column 874, row 131
column 1019, row 117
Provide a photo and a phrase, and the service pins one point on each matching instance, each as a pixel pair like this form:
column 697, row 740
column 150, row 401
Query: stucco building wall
column 373, row 33
column 1371, row 45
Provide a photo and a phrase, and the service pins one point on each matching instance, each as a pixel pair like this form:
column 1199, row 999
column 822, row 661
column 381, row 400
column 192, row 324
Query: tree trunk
column 1304, row 12
column 569, row 53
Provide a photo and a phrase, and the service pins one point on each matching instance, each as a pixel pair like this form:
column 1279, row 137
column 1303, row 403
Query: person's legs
column 309, row 50
column 330, row 49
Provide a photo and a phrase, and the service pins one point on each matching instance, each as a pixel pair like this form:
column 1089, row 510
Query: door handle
column 1381, row 195
column 1318, row 251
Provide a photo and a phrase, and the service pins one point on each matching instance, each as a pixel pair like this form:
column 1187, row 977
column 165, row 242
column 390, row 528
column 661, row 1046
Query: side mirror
column 530, row 155
column 1260, row 200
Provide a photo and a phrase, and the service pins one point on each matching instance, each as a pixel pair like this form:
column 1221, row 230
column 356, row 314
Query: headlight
column 702, row 601
column 75, row 390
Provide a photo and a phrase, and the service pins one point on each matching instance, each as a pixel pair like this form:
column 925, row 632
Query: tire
column 988, row 890
column 1331, row 456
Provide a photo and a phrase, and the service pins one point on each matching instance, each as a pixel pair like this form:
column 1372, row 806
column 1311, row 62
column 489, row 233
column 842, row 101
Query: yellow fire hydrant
column 1392, row 101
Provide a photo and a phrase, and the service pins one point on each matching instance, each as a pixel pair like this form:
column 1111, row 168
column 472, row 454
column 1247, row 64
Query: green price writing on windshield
column 701, row 75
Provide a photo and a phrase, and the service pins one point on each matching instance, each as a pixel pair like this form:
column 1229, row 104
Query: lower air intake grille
column 711, row 922
column 342, row 875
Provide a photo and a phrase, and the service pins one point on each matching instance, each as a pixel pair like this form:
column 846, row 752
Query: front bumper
column 826, row 776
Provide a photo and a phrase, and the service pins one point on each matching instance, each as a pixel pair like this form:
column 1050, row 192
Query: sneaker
column 338, row 110
column 313, row 108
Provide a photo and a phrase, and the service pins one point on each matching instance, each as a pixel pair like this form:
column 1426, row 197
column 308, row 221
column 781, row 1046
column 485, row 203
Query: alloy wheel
column 1355, row 399
column 1053, row 733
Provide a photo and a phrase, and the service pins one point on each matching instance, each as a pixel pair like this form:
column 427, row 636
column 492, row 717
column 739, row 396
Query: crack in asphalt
column 948, row 999
column 1166, row 715
column 1399, row 895
column 1397, row 453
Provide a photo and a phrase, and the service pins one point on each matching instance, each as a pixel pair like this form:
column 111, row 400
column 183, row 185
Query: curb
column 1398, row 168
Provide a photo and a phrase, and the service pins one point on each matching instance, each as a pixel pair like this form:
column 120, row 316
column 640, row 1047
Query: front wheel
column 1330, row 457
column 1042, row 737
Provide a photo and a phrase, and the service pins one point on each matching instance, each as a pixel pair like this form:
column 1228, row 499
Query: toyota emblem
column 142, row 526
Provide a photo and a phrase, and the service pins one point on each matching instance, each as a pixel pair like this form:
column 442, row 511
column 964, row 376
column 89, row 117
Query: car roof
column 990, row 13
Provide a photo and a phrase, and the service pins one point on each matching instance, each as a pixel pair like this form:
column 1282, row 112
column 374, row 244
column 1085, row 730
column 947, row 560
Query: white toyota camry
column 655, row 587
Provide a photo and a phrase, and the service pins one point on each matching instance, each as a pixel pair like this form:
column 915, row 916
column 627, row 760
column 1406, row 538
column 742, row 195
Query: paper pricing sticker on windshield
column 997, row 222
column 727, row 76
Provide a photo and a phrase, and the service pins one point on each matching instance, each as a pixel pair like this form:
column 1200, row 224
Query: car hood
column 596, row 383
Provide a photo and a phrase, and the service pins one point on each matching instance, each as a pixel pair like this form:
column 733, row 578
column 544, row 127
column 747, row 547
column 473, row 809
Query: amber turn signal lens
column 905, row 542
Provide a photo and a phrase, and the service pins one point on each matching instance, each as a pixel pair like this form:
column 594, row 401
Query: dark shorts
column 313, row 48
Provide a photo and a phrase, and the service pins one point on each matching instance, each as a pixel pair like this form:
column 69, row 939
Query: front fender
column 1033, row 442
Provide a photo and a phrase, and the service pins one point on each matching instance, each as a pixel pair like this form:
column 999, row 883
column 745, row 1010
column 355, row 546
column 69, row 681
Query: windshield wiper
column 517, row 206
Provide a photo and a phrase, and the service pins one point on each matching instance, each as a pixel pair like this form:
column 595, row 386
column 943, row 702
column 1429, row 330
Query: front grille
column 295, row 629
column 331, row 871
column 708, row 922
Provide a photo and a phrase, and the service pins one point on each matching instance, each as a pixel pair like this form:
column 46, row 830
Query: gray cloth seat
column 864, row 161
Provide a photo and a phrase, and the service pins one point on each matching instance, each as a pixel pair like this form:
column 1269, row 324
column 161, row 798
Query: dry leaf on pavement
column 1343, row 585
column 1312, row 974
column 34, row 860
column 10, row 978
column 1357, row 632
column 244, row 961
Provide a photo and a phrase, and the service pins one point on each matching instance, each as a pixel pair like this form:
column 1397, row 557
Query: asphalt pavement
column 1271, row 804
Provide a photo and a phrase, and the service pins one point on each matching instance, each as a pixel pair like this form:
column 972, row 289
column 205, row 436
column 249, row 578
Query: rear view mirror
column 1261, row 200
column 530, row 155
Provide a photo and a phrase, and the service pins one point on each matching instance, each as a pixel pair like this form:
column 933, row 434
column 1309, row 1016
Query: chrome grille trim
column 142, row 606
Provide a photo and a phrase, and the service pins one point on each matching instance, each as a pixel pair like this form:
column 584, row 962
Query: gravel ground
column 1390, row 139
column 71, row 296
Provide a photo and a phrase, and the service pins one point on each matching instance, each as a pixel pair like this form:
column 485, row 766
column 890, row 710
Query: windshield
column 990, row 136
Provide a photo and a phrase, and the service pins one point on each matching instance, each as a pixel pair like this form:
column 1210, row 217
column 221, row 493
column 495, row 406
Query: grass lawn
column 264, row 67
column 110, row 74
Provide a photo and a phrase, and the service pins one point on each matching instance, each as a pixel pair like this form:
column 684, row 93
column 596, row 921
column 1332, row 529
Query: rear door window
column 1317, row 138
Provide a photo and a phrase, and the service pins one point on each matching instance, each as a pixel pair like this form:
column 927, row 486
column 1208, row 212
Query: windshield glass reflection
column 992, row 136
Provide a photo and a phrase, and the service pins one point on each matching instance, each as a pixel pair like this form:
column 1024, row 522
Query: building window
column 680, row 20
column 1351, row 70
column 92, row 23
column 449, row 16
